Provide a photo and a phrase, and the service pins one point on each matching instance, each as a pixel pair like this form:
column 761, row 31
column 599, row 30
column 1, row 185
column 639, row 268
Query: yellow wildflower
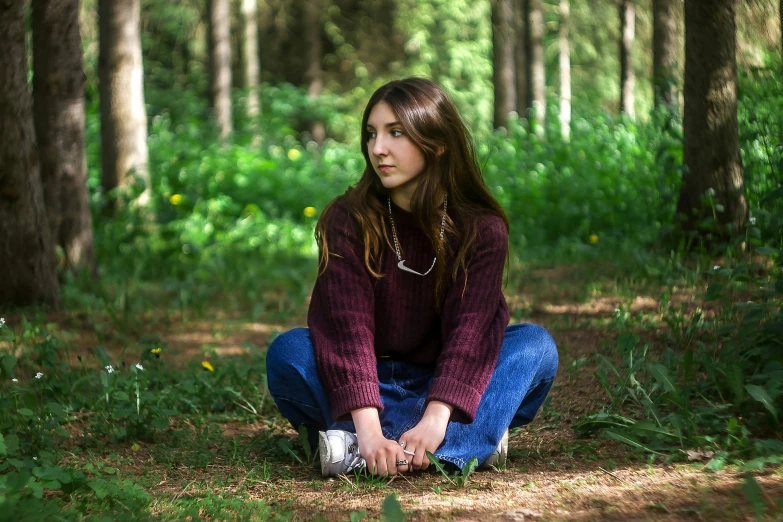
column 175, row 199
column 593, row 239
column 207, row 366
column 294, row 154
column 309, row 211
column 156, row 352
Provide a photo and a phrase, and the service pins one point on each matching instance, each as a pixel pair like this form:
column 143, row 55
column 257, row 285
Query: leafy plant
column 458, row 478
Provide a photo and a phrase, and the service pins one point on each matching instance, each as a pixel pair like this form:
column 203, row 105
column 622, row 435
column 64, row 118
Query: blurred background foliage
column 233, row 217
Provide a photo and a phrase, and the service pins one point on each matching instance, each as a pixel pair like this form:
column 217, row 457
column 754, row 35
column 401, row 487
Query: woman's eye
column 396, row 133
column 370, row 135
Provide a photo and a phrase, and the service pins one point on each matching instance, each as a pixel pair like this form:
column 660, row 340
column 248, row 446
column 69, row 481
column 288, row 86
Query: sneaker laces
column 352, row 458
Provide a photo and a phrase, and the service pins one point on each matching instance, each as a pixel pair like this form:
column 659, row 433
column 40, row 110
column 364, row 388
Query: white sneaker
column 339, row 452
column 499, row 457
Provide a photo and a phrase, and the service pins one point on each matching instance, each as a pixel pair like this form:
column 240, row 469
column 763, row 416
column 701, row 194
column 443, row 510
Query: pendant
column 401, row 266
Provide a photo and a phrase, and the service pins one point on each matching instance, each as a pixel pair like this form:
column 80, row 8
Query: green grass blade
column 626, row 439
column 661, row 374
column 761, row 395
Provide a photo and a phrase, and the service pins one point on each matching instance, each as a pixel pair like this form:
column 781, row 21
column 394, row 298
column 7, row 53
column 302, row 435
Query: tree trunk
column 627, row 26
column 521, row 28
column 219, row 44
column 565, row 73
column 58, row 103
column 314, row 73
column 26, row 251
column 503, row 79
column 711, row 151
column 123, row 114
column 250, row 48
column 537, row 89
column 664, row 53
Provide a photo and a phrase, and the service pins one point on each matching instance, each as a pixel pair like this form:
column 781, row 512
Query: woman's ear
column 441, row 149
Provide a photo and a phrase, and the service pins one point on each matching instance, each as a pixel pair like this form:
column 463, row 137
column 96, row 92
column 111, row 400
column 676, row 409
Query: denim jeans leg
column 292, row 377
column 403, row 391
column 526, row 367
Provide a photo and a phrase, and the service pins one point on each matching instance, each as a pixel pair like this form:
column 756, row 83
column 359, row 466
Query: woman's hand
column 380, row 453
column 427, row 435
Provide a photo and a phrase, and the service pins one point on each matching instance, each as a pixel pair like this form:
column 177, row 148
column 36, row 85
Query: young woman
column 408, row 348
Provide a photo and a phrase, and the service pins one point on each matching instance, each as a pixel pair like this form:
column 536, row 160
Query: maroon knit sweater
column 355, row 318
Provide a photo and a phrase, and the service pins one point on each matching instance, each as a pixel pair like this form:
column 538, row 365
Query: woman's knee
column 289, row 355
column 548, row 349
column 535, row 339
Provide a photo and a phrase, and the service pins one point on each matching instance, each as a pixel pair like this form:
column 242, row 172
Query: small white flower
column 711, row 191
column 38, row 375
column 617, row 310
column 752, row 222
column 35, row 458
column 716, row 267
column 2, row 322
column 14, row 380
column 110, row 369
column 139, row 366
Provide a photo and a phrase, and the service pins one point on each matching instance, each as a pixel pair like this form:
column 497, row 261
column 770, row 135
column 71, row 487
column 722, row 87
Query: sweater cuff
column 464, row 398
column 352, row 397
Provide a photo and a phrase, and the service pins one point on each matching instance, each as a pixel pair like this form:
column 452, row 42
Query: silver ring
column 403, row 462
column 403, row 444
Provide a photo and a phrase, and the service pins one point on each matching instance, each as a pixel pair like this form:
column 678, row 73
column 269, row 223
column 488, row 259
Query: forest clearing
column 169, row 173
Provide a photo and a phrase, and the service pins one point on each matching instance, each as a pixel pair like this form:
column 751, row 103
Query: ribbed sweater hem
column 354, row 396
column 458, row 394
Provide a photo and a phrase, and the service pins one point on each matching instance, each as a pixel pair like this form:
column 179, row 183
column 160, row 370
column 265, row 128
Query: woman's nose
column 379, row 147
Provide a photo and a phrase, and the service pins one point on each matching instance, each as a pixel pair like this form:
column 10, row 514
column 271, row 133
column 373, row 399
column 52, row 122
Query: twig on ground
column 343, row 477
column 399, row 475
column 610, row 474
column 183, row 490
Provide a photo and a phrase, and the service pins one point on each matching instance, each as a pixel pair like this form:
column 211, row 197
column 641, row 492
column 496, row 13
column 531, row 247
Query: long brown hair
column 432, row 122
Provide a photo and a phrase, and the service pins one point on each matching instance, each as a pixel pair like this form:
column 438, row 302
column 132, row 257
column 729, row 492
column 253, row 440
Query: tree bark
column 250, row 48
column 58, row 103
column 314, row 73
column 503, row 78
column 627, row 80
column 665, row 53
column 26, row 251
column 565, row 72
column 521, row 29
column 537, row 88
column 219, row 44
column 711, row 151
column 123, row 113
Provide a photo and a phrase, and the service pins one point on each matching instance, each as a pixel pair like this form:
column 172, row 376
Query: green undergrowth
column 61, row 428
column 700, row 380
column 233, row 223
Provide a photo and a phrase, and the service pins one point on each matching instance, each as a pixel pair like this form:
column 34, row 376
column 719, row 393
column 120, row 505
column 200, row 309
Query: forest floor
column 237, row 472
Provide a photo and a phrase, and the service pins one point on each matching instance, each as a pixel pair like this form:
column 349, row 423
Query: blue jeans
column 524, row 373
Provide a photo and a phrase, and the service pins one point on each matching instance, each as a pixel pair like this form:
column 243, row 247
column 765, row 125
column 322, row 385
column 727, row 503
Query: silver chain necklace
column 401, row 263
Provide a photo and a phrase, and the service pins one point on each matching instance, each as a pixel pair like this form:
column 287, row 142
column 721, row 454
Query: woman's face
column 396, row 159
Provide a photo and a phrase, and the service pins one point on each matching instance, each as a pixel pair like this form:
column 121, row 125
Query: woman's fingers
column 419, row 458
column 388, row 460
column 397, row 461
